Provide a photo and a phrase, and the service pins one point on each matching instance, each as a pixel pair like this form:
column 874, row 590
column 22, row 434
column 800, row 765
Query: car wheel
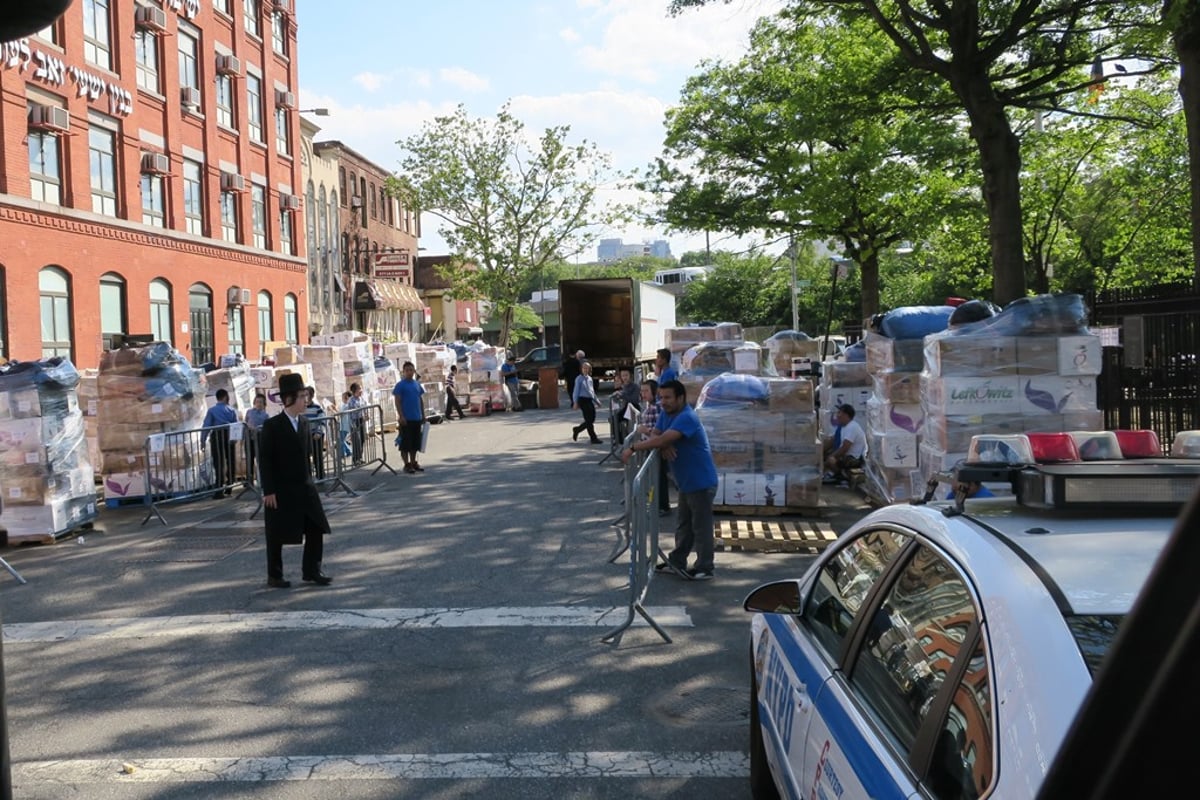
column 762, row 785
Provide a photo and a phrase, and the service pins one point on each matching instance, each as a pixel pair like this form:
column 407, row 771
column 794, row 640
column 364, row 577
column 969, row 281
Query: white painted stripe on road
column 464, row 766
column 366, row 618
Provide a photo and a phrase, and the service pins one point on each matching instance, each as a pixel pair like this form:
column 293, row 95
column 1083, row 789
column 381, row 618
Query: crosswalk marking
column 413, row 766
column 347, row 619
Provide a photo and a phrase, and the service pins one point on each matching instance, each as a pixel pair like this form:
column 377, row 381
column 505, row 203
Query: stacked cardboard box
column 893, row 417
column 485, row 392
column 47, row 480
column 763, row 435
column 144, row 391
column 978, row 382
column 89, row 404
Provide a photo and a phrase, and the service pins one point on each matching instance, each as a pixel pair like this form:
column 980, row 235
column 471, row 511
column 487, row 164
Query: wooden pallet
column 767, row 511
column 774, row 536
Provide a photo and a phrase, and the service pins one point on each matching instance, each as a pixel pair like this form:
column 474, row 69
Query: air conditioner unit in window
column 156, row 163
column 229, row 65
column 232, row 183
column 245, row 297
column 283, row 5
column 190, row 97
column 49, row 118
column 356, row 201
column 235, row 296
column 285, row 99
column 152, row 18
column 289, row 201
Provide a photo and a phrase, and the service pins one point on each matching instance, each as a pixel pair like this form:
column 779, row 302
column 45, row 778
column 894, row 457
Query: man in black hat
column 293, row 507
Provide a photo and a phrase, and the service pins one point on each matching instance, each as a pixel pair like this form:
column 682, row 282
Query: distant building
column 610, row 250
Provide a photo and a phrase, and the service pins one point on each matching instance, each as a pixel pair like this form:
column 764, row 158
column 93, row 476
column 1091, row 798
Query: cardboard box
column 800, row 430
column 884, row 417
column 734, row 456
column 1037, row 355
column 845, row 373
column 770, row 489
column 1079, row 355
column 973, row 396
column 803, row 489
column 898, row 387
column 857, row 396
column 953, row 433
column 894, row 450
column 787, row 394
column 970, row 356
column 740, row 488
column 727, row 424
column 1054, row 394
column 782, row 458
column 769, row 428
column 894, row 355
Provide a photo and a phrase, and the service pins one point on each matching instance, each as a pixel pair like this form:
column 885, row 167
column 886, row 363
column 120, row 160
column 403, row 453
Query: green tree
column 750, row 289
column 1182, row 20
column 509, row 203
column 995, row 55
column 814, row 130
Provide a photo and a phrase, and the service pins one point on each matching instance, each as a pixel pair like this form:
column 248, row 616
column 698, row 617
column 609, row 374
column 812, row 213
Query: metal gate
column 1151, row 376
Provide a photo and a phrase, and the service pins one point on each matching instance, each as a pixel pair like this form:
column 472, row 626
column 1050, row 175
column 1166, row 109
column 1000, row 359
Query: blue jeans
column 694, row 529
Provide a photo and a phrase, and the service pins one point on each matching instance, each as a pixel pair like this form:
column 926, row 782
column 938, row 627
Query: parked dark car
column 529, row 364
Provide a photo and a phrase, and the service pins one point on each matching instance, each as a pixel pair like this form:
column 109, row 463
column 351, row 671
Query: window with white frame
column 258, row 215
column 112, row 303
column 223, row 6
column 237, row 331
column 254, row 107
column 45, row 175
column 160, row 310
column 145, row 49
column 189, row 61
column 153, row 205
column 285, row 232
column 54, row 293
column 291, row 320
column 225, row 101
column 49, row 33
column 279, row 33
column 229, row 216
column 253, row 17
column 102, row 147
column 96, row 27
column 193, row 197
column 265, row 331
column 283, row 145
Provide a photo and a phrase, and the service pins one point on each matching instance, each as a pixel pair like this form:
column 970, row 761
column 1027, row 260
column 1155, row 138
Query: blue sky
column 607, row 68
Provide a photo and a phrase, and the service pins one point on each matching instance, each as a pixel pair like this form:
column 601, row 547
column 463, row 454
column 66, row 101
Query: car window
column 961, row 765
column 1094, row 634
column 911, row 641
column 843, row 584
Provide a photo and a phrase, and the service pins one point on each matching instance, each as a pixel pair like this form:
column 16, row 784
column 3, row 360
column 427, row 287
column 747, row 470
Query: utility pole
column 795, row 304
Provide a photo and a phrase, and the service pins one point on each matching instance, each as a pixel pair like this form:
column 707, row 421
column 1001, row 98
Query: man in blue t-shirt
column 410, row 412
column 664, row 372
column 508, row 373
column 680, row 438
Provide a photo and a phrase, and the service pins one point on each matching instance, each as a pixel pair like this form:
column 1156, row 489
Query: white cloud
column 569, row 35
column 463, row 79
column 371, row 81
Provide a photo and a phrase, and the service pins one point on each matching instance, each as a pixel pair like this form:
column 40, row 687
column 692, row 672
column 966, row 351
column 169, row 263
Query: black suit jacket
column 285, row 468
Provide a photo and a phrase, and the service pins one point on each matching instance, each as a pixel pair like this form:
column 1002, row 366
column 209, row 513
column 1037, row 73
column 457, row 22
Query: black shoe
column 417, row 467
column 228, row 492
column 320, row 579
column 667, row 568
column 597, row 441
column 574, row 434
column 218, row 495
column 279, row 583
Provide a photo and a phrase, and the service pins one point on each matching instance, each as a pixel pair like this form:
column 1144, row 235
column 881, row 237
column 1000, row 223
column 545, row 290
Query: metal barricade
column 639, row 529
column 352, row 440
column 185, row 465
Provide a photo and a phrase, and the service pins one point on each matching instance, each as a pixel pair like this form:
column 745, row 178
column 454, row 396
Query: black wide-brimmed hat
column 290, row 383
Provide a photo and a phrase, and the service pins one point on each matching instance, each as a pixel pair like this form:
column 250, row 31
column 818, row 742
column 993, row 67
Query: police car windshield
column 1094, row 634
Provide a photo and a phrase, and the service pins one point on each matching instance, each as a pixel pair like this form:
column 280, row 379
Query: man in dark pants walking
column 293, row 507
column 216, row 434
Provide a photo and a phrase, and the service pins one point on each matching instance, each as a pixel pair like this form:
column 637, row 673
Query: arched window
column 265, row 332
column 54, row 290
column 112, row 304
column 160, row 310
column 362, row 192
column 346, row 252
column 374, row 207
column 236, row 331
column 310, row 222
column 200, row 325
column 342, row 182
column 291, row 320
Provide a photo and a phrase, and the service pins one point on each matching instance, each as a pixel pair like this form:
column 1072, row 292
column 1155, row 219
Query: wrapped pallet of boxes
column 843, row 382
column 763, row 435
column 1030, row 369
column 144, row 391
column 485, row 394
column 328, row 372
column 680, row 340
column 387, row 375
column 46, row 477
column 790, row 351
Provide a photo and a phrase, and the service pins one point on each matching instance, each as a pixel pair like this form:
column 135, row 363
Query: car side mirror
column 781, row 597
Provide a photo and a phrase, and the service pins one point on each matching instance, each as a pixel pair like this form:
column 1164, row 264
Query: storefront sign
column 392, row 265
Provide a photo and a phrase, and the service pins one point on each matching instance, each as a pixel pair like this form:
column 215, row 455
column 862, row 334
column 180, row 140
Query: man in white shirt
column 846, row 448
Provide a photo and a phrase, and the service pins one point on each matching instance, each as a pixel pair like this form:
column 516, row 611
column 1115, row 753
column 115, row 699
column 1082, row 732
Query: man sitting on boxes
column 844, row 451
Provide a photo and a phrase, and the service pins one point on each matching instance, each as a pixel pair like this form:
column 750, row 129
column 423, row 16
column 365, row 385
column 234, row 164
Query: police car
column 942, row 649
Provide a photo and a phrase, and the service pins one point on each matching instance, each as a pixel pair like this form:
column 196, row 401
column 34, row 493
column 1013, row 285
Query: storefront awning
column 381, row 295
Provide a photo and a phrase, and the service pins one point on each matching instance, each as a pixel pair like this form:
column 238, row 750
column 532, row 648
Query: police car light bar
column 1162, row 484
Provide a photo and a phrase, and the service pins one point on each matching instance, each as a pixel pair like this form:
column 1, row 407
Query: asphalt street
column 457, row 654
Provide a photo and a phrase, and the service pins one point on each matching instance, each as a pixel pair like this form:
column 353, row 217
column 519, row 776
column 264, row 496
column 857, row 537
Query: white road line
column 720, row 764
column 369, row 618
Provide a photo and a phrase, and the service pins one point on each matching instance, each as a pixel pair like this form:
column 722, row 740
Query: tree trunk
column 1000, row 161
column 1187, row 46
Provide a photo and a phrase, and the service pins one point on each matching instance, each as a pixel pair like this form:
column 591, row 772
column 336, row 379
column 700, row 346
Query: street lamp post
column 795, row 304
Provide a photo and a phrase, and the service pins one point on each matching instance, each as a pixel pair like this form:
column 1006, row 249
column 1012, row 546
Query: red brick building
column 150, row 180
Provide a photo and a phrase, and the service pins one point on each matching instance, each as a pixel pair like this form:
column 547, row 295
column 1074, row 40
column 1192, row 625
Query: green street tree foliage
column 814, row 133
column 995, row 56
column 509, row 203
